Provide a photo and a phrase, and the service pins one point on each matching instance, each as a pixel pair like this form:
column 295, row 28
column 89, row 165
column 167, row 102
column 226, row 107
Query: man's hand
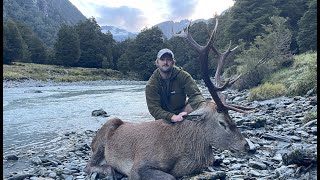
column 179, row 117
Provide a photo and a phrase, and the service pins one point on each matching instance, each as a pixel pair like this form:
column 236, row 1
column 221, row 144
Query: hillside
column 168, row 26
column 45, row 17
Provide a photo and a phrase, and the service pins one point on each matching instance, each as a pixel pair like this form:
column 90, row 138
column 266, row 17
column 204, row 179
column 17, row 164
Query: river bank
column 38, row 83
column 285, row 146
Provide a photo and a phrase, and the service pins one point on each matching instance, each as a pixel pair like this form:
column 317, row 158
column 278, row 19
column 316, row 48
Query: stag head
column 222, row 124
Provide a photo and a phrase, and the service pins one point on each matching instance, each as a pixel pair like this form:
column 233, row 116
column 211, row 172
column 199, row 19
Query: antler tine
column 185, row 34
column 203, row 56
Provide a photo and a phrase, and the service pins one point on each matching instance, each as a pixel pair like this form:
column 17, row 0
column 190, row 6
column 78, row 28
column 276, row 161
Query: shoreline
column 39, row 83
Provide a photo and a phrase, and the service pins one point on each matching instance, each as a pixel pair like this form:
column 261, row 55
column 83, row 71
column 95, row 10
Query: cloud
column 181, row 9
column 125, row 17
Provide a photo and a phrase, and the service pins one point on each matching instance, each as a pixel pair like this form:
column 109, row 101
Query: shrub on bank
column 267, row 91
column 22, row 71
column 310, row 116
column 300, row 77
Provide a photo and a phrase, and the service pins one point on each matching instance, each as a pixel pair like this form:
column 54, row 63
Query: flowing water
column 35, row 119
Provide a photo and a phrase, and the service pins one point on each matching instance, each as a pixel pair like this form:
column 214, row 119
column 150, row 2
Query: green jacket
column 168, row 97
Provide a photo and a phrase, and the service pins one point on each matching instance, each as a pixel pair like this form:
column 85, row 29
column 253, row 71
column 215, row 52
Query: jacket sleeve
column 195, row 97
column 154, row 102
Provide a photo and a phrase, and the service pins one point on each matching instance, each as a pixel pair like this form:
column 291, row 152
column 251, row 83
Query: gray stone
column 255, row 173
column 236, row 167
column 52, row 175
column 68, row 177
column 36, row 160
column 99, row 112
column 12, row 157
column 257, row 165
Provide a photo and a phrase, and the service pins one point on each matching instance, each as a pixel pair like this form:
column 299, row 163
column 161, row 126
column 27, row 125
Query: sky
column 135, row 15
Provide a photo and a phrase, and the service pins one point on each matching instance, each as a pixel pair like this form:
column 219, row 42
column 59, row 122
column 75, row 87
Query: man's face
column 165, row 63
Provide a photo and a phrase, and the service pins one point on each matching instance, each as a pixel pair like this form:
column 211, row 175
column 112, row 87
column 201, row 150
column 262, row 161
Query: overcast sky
column 134, row 15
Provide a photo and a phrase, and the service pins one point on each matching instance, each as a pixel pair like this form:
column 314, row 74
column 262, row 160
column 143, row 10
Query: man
column 168, row 88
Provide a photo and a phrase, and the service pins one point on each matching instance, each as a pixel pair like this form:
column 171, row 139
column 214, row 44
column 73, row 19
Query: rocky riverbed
column 283, row 146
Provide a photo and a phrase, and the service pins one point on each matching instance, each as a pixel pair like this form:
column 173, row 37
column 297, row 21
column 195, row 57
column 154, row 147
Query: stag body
column 158, row 150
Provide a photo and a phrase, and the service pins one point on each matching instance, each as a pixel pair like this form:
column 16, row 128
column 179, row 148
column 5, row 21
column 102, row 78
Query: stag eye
column 223, row 125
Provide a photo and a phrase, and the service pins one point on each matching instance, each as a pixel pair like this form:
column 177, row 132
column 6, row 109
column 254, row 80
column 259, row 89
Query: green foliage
column 292, row 10
column 265, row 55
column 144, row 50
column 300, row 77
column 95, row 46
column 44, row 16
column 67, row 47
column 307, row 35
column 21, row 71
column 13, row 49
column 246, row 19
column 267, row 91
column 310, row 116
column 187, row 57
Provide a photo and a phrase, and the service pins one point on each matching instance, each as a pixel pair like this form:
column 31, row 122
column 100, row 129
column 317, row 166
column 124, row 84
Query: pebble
column 273, row 129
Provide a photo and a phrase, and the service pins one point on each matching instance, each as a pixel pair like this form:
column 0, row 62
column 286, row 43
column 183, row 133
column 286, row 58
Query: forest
column 269, row 35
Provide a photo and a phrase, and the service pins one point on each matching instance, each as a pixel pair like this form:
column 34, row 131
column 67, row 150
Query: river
column 34, row 117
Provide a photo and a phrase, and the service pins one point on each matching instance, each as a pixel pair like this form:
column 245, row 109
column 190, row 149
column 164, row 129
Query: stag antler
column 203, row 57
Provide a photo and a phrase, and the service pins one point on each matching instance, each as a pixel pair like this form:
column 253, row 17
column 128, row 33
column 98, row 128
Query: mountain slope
column 167, row 26
column 118, row 34
column 45, row 17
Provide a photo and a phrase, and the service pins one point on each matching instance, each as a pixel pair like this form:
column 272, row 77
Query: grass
column 21, row 71
column 267, row 91
column 290, row 81
column 310, row 116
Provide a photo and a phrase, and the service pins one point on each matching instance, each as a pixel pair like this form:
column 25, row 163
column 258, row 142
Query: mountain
column 118, row 34
column 44, row 17
column 167, row 26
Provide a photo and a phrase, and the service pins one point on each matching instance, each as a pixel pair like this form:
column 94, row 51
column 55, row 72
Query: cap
column 163, row 51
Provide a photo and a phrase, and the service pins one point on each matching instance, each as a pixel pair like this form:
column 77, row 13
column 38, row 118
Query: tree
column 247, row 17
column 34, row 49
column 266, row 54
column 67, row 47
column 143, row 54
column 307, row 35
column 293, row 10
column 13, row 49
column 92, row 44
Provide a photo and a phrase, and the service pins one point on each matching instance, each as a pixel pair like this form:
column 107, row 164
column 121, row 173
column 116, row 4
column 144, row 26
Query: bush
column 267, row 91
column 300, row 77
column 310, row 116
column 306, row 78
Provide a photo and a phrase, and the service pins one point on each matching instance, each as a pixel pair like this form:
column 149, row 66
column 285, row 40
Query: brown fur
column 159, row 150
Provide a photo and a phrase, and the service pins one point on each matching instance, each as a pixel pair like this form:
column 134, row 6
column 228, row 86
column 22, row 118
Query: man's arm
column 154, row 103
column 195, row 97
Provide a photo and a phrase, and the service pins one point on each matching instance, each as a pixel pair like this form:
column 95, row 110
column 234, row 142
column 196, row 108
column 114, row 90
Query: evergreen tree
column 34, row 49
column 37, row 50
column 124, row 50
column 106, row 45
column 247, row 17
column 266, row 54
column 92, row 53
column 147, row 44
column 307, row 35
column 13, row 49
column 67, row 47
column 293, row 10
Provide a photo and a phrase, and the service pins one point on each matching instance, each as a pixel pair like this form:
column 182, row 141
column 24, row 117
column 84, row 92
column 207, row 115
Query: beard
column 166, row 68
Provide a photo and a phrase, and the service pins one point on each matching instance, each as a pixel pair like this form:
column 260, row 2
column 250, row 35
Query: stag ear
column 196, row 115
